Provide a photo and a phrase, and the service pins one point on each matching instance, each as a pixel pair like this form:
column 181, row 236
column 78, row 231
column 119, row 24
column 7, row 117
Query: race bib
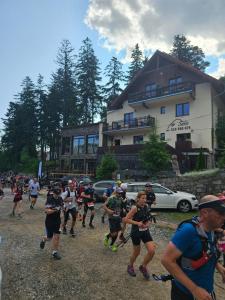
column 143, row 229
column 90, row 204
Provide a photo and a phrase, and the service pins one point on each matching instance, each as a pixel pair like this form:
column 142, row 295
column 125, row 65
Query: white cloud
column 153, row 23
column 220, row 70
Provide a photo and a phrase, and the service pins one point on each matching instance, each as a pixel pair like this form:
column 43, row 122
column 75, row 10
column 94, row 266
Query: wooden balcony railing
column 161, row 92
column 146, row 121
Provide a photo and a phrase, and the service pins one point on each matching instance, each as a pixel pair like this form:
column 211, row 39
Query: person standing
column 53, row 208
column 69, row 198
column 138, row 216
column 191, row 256
column 34, row 189
column 150, row 195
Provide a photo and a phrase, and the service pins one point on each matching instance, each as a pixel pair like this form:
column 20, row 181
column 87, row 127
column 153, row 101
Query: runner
column 80, row 190
column 34, row 188
column 138, row 216
column 88, row 199
column 125, row 210
column 17, row 201
column 114, row 207
column 53, row 208
column 191, row 256
column 107, row 193
column 69, row 198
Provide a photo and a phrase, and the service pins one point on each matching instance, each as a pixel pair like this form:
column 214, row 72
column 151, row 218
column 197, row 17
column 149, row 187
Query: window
column 78, row 145
column 77, row 165
column 150, row 90
column 92, row 143
column 128, row 118
column 65, row 145
column 183, row 137
column 162, row 136
column 162, row 110
column 117, row 142
column 159, row 190
column 175, row 84
column 138, row 139
column 182, row 109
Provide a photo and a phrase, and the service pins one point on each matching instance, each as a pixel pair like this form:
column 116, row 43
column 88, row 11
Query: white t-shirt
column 72, row 197
column 34, row 188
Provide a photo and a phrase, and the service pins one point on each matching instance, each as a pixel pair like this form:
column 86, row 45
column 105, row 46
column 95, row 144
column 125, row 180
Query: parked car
column 100, row 187
column 165, row 198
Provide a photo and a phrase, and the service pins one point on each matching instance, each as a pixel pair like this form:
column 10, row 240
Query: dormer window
column 150, row 90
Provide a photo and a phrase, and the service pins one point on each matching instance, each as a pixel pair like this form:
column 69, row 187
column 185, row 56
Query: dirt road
column 86, row 271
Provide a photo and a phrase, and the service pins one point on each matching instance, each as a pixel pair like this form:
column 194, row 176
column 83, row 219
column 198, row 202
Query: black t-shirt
column 57, row 205
column 150, row 198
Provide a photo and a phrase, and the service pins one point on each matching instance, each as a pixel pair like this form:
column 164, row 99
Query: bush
column 107, row 166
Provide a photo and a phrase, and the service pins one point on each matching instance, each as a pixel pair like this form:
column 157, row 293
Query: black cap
column 217, row 205
column 148, row 184
column 56, row 191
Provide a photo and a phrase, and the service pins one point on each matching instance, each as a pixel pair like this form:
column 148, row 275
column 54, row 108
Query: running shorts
column 139, row 236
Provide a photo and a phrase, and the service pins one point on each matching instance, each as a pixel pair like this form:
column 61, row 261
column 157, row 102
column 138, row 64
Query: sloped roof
column 218, row 85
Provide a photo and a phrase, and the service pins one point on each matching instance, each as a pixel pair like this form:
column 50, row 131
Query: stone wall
column 199, row 186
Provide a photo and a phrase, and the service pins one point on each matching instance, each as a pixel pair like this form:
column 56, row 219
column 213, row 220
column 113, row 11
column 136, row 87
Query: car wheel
column 184, row 206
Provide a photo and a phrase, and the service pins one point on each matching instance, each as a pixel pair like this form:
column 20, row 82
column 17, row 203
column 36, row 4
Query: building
column 181, row 102
column 78, row 153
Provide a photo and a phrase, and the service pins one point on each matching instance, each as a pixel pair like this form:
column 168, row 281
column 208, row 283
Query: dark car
column 100, row 187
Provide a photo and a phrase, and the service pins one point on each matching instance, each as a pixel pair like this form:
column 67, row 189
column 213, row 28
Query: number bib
column 143, row 229
column 90, row 204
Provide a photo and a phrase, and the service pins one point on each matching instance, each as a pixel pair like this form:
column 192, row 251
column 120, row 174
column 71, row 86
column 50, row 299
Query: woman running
column 138, row 216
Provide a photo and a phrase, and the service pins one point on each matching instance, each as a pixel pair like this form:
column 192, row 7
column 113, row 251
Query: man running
column 107, row 193
column 89, row 204
column 53, row 208
column 114, row 207
column 69, row 198
column 34, row 188
column 191, row 257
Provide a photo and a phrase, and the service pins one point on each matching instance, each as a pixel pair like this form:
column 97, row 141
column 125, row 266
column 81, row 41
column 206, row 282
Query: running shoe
column 106, row 240
column 130, row 271
column 42, row 244
column 83, row 224
column 144, row 271
column 91, row 226
column 72, row 232
column 114, row 248
column 56, row 256
column 64, row 230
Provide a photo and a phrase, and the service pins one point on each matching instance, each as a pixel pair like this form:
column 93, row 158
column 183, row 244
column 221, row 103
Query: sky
column 31, row 32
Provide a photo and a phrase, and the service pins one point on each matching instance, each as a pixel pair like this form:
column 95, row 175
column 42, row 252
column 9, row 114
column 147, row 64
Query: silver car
column 165, row 198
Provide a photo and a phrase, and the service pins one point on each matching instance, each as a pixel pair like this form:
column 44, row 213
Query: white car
column 165, row 198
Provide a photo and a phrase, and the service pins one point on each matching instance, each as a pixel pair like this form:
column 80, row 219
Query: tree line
column 75, row 96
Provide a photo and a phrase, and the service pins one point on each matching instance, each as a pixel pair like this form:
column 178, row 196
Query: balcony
column 183, row 146
column 134, row 124
column 168, row 92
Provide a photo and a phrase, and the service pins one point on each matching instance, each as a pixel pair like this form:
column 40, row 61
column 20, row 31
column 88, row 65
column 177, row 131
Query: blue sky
column 31, row 32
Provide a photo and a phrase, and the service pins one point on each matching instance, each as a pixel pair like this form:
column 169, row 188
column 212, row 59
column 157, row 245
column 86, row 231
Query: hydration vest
column 206, row 254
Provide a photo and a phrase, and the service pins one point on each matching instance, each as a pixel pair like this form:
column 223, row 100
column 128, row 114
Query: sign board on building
column 178, row 125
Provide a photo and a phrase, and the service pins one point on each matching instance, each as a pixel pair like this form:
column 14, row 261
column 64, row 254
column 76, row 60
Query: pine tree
column 88, row 78
column 183, row 50
column 136, row 63
column 65, row 84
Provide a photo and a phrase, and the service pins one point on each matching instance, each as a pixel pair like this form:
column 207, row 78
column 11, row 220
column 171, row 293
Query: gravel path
column 87, row 269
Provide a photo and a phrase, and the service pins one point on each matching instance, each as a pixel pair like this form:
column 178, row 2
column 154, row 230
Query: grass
column 175, row 216
column 202, row 173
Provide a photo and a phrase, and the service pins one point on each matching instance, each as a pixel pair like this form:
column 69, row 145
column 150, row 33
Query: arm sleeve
column 184, row 236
